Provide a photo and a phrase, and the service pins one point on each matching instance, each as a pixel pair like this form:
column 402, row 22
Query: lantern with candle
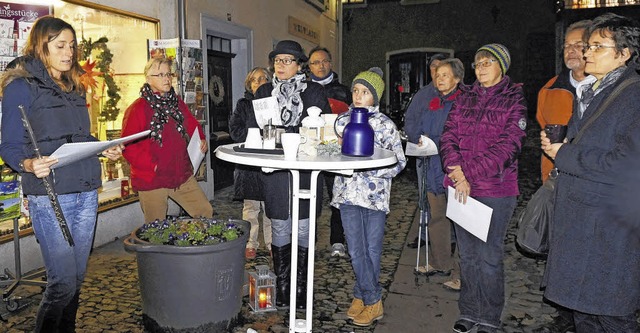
column 262, row 289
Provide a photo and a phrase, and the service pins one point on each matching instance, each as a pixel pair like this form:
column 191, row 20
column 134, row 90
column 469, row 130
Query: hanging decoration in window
column 101, row 67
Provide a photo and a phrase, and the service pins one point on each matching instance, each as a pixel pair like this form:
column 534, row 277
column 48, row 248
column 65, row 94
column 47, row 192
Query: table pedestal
column 302, row 325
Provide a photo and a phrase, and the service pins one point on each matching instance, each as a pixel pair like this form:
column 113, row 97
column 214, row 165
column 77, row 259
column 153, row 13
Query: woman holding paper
column 294, row 95
column 479, row 146
column 160, row 165
column 449, row 74
column 46, row 83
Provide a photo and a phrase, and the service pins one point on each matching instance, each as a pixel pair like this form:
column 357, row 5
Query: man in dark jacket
column 339, row 97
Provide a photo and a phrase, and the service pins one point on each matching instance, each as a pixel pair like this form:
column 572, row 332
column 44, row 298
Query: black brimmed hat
column 289, row 47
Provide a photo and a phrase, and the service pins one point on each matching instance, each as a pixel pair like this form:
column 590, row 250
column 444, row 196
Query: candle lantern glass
column 262, row 289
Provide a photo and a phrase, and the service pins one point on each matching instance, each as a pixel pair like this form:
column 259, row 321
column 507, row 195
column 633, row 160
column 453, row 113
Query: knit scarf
column 587, row 93
column 163, row 107
column 287, row 93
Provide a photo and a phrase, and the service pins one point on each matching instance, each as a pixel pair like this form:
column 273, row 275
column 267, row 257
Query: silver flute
column 48, row 182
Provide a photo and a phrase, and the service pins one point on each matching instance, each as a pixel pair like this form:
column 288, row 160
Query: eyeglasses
column 259, row 79
column 485, row 63
column 284, row 61
column 597, row 47
column 575, row 47
column 320, row 62
column 162, row 75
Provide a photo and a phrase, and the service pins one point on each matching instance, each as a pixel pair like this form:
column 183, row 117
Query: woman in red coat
column 160, row 164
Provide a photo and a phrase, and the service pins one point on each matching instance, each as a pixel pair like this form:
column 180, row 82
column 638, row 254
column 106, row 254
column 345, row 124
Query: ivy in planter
column 189, row 232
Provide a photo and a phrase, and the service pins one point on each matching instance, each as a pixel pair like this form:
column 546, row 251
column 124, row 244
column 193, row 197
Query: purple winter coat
column 483, row 134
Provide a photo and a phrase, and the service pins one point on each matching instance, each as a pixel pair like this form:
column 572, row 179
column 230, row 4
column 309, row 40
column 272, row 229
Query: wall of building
column 525, row 27
column 268, row 21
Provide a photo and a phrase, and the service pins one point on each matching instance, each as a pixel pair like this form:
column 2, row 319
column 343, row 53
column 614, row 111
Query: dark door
column 220, row 108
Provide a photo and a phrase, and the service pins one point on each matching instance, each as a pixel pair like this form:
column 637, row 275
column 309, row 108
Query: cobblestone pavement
column 110, row 299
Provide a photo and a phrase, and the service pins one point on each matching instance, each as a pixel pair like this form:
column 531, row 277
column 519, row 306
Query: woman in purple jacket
column 479, row 146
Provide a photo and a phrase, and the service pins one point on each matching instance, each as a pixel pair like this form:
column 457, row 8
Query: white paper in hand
column 428, row 148
column 195, row 154
column 265, row 109
column 474, row 216
column 76, row 151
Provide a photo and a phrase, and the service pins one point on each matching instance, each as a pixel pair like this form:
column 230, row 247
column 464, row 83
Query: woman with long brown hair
column 45, row 81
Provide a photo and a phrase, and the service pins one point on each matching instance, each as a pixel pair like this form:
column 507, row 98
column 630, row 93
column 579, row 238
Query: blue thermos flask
column 357, row 138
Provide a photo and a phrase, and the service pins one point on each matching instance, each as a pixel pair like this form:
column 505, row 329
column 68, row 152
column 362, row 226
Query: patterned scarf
column 587, row 93
column 163, row 108
column 288, row 94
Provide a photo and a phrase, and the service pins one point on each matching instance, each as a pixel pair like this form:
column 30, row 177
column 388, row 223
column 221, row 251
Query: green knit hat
column 372, row 79
column 501, row 53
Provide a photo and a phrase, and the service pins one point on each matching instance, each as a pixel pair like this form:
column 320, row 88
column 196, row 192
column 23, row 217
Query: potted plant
column 191, row 273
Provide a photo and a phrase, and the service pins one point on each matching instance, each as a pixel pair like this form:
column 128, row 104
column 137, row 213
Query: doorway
column 220, row 109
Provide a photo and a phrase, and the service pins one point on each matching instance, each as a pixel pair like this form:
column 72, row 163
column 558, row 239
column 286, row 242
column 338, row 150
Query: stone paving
column 110, row 299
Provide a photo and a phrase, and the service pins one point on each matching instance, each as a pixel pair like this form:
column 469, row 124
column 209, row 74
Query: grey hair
column 457, row 67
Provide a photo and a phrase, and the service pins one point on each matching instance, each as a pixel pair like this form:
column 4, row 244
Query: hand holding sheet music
column 72, row 152
column 474, row 216
column 427, row 148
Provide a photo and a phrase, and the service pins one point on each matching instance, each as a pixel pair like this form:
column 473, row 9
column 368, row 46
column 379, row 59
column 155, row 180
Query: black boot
column 301, row 280
column 282, row 268
column 68, row 320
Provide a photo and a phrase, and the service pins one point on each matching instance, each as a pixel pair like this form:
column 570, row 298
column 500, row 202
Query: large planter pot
column 191, row 288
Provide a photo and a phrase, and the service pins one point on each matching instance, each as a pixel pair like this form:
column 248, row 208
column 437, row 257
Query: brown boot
column 369, row 314
column 357, row 305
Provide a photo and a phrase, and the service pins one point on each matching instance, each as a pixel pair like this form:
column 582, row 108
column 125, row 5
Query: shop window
column 579, row 4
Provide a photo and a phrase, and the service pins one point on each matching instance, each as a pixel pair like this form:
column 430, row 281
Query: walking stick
column 48, row 182
column 424, row 218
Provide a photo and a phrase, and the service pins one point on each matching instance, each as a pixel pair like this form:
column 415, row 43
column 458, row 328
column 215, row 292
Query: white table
column 337, row 164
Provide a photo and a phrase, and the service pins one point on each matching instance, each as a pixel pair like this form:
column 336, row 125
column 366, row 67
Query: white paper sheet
column 474, row 216
column 265, row 109
column 195, row 154
column 428, row 148
column 72, row 152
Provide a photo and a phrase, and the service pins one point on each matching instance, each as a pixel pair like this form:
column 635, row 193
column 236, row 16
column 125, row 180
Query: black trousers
column 337, row 232
column 588, row 323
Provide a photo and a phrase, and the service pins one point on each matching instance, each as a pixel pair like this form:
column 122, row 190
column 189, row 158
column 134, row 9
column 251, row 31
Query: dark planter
column 192, row 288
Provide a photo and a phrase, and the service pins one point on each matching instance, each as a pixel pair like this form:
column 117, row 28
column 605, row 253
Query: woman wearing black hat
column 294, row 94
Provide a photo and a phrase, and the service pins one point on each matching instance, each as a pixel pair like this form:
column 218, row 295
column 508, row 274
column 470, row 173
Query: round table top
column 380, row 158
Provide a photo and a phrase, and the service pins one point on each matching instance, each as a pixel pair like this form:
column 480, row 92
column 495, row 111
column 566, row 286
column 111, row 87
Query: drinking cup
column 556, row 132
column 253, row 140
column 290, row 143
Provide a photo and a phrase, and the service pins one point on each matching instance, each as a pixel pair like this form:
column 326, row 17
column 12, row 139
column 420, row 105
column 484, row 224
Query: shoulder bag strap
column 614, row 94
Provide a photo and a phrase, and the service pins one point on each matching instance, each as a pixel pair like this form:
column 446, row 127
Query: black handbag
column 534, row 222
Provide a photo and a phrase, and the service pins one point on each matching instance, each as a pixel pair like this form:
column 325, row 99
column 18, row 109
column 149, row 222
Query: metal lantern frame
column 262, row 289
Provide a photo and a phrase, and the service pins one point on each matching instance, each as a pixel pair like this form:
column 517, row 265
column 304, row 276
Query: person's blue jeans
column 65, row 265
column 281, row 232
column 364, row 231
column 482, row 268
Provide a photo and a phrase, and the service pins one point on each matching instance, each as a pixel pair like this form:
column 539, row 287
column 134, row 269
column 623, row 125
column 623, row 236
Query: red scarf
column 437, row 102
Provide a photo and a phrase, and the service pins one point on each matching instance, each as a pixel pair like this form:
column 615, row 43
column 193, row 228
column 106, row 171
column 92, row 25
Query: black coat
column 337, row 90
column 247, row 182
column 594, row 259
column 277, row 185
